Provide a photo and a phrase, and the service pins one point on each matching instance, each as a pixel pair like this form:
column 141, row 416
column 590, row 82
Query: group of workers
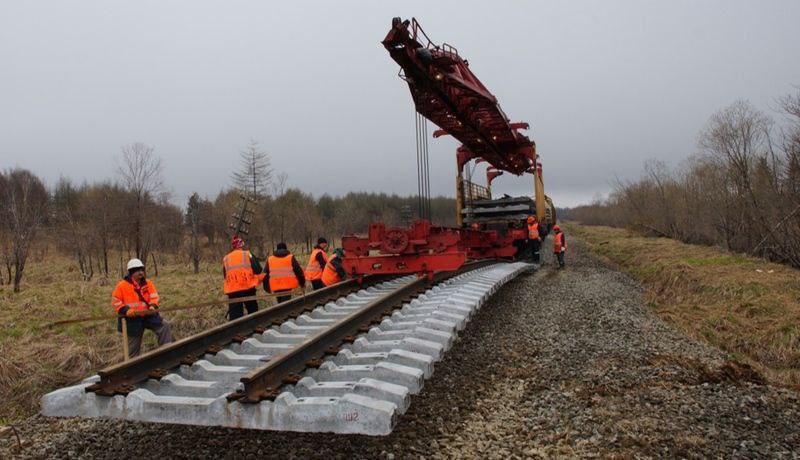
column 537, row 233
column 281, row 275
column 135, row 297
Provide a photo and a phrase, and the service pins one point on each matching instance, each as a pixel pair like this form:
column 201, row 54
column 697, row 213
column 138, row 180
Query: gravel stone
column 558, row 363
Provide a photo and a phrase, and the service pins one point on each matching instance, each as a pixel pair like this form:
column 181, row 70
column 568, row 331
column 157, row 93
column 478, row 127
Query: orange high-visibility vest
column 559, row 245
column 239, row 274
column 313, row 270
column 533, row 231
column 329, row 275
column 281, row 273
column 125, row 295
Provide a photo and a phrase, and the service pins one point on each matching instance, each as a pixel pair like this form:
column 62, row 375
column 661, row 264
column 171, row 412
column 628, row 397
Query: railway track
column 343, row 359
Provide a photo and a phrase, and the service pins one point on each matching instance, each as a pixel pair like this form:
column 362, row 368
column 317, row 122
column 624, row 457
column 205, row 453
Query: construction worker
column 316, row 263
column 242, row 273
column 136, row 298
column 334, row 270
column 559, row 245
column 533, row 238
column 283, row 273
column 543, row 232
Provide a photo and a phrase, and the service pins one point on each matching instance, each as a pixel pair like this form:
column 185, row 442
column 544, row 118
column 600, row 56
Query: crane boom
column 446, row 92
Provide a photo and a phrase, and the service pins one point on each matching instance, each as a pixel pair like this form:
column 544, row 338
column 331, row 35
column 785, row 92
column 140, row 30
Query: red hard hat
column 236, row 242
column 556, row 228
column 531, row 218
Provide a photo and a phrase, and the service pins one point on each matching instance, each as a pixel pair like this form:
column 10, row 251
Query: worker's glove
column 153, row 307
column 131, row 313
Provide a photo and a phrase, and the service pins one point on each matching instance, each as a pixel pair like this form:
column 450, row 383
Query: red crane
column 446, row 92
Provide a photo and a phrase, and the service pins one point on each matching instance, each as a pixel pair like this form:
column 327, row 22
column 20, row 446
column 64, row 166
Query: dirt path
column 562, row 362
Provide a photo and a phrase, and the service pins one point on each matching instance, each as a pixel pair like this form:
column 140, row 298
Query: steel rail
column 263, row 382
column 120, row 378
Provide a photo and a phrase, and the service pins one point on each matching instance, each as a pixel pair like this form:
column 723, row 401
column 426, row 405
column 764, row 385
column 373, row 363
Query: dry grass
column 743, row 305
column 35, row 359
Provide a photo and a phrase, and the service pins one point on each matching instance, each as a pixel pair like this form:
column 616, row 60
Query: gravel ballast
column 562, row 362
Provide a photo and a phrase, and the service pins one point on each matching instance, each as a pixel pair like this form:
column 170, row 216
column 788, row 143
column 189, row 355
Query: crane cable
column 423, row 167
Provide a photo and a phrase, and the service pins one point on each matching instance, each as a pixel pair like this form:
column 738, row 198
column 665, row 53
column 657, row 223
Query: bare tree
column 101, row 204
column 279, row 211
column 6, row 242
column 790, row 140
column 24, row 207
column 140, row 171
column 193, row 223
column 737, row 134
column 255, row 172
column 72, row 232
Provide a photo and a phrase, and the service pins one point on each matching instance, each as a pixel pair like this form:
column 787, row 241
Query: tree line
column 100, row 225
column 740, row 191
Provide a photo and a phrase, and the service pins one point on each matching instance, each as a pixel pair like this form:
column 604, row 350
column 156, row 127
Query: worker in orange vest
column 334, row 270
column 283, row 273
column 316, row 263
column 136, row 298
column 242, row 273
column 534, row 238
column 559, row 245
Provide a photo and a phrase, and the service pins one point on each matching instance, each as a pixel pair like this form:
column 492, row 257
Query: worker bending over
column 283, row 273
column 242, row 273
column 316, row 263
column 136, row 298
column 533, row 238
column 334, row 269
column 559, row 245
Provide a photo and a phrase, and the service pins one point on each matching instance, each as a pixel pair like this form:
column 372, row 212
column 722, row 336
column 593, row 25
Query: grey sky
column 605, row 85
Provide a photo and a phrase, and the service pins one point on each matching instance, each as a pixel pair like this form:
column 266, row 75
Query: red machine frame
column 447, row 93
column 423, row 248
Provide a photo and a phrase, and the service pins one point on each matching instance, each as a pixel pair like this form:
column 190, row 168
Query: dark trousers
column 283, row 298
column 161, row 330
column 560, row 257
column 533, row 247
column 236, row 309
column 317, row 284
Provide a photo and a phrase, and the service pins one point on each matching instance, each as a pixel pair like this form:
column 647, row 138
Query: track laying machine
column 446, row 92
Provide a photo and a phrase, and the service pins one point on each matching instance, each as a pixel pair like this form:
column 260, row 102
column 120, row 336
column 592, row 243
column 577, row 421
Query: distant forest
column 741, row 191
column 99, row 223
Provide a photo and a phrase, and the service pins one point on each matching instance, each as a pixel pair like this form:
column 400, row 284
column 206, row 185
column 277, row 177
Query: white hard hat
column 135, row 263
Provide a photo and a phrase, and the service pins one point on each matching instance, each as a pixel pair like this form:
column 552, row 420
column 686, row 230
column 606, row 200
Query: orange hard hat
column 531, row 218
column 556, row 228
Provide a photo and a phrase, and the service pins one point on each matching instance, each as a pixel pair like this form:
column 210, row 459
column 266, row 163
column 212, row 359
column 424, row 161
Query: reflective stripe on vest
column 125, row 295
column 313, row 270
column 239, row 274
column 329, row 275
column 136, row 305
column 533, row 230
column 281, row 273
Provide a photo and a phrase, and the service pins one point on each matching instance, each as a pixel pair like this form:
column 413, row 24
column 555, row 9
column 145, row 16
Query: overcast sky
column 604, row 85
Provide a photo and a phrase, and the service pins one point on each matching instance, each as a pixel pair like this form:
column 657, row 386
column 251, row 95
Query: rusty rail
column 264, row 382
column 120, row 378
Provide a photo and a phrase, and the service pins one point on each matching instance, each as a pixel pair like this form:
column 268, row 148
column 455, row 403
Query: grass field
column 743, row 305
column 35, row 358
